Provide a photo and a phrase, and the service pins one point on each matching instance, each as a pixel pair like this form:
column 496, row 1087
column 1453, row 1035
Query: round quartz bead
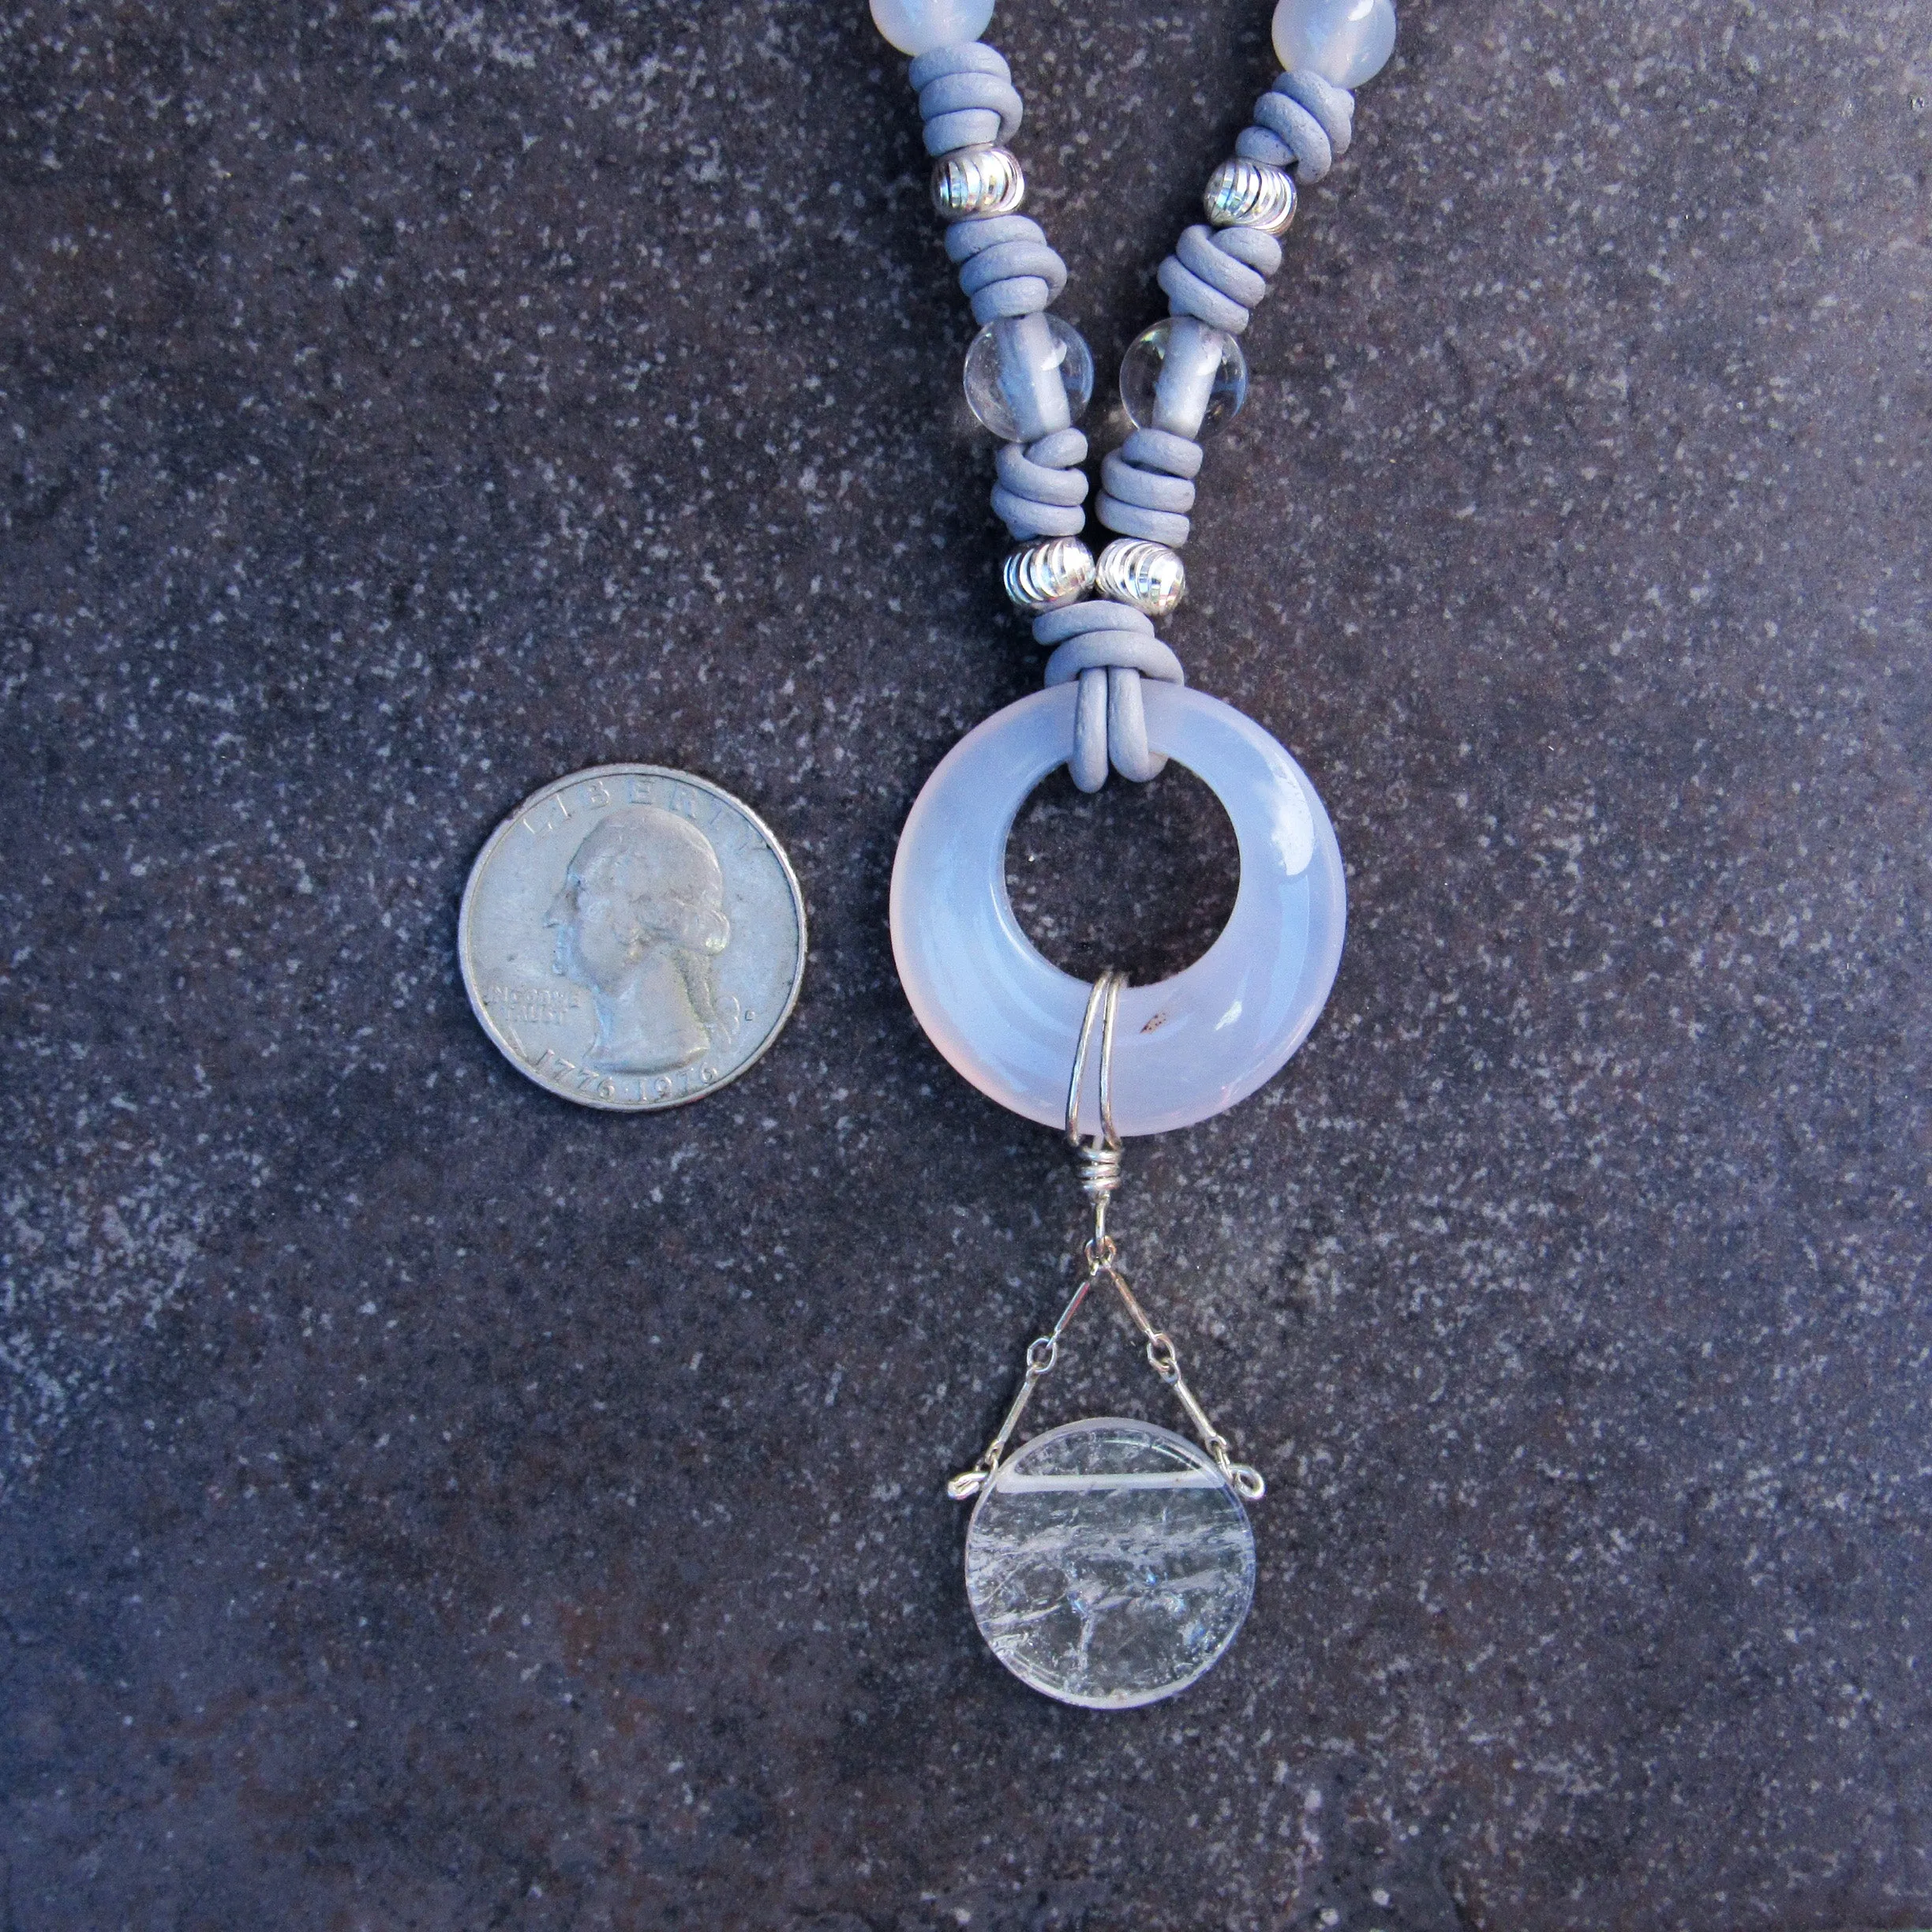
column 1149, row 576
column 918, row 26
column 1182, row 376
column 1041, row 576
column 978, row 181
column 1346, row 42
column 1250, row 194
column 1028, row 377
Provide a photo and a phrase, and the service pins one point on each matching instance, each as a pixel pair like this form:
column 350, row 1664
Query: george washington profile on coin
column 640, row 925
column 632, row 938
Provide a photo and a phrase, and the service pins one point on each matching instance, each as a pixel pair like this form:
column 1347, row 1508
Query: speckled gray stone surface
column 430, row 1505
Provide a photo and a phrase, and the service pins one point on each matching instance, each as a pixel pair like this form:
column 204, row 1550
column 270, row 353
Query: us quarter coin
column 632, row 938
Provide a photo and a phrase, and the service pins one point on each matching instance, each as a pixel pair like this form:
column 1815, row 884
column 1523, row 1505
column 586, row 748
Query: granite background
column 428, row 1504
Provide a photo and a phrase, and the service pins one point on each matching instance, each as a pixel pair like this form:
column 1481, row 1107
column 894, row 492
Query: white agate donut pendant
column 1187, row 1048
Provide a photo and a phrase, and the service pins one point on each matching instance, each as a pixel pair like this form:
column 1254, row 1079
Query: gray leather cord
column 967, row 97
column 1041, row 486
column 1109, row 647
column 1305, row 122
column 1111, row 650
column 1201, row 253
column 1255, row 246
column 969, row 128
column 1055, row 627
column 1023, row 473
column 1006, row 260
column 1088, row 766
column 1188, row 294
column 1220, row 274
column 965, row 239
column 1024, row 274
column 965, row 91
column 1256, row 143
column 1061, row 451
column 1161, row 450
column 1008, row 269
column 1000, row 302
column 1126, row 519
column 1126, row 728
column 1217, row 276
column 1147, row 489
column 961, row 57
column 1109, row 722
column 1026, row 518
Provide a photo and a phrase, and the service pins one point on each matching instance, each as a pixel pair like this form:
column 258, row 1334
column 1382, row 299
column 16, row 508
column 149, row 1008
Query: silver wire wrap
column 1099, row 1156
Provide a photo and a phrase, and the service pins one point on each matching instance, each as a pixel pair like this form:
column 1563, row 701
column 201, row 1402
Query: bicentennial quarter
column 632, row 938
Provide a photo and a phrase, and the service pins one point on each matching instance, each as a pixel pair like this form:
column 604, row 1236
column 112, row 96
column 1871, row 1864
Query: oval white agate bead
column 1009, row 1020
column 1346, row 42
column 918, row 26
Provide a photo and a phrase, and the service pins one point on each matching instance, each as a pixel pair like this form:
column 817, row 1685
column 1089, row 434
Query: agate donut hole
column 1138, row 879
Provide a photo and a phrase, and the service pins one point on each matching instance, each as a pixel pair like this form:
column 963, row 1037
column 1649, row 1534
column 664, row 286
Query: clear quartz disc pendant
column 1108, row 1564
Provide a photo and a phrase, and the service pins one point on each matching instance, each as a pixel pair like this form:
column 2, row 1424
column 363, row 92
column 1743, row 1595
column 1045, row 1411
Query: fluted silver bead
column 1149, row 576
column 1043, row 575
column 1250, row 194
column 978, row 181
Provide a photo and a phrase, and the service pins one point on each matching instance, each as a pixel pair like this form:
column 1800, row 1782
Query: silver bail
column 1100, row 1157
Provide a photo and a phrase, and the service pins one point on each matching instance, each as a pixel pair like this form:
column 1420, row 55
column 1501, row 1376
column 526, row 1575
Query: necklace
column 1110, row 1562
